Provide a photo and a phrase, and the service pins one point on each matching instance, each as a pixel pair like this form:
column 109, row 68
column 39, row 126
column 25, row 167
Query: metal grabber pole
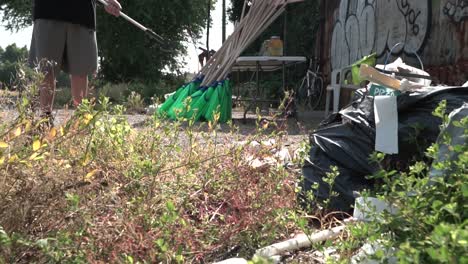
column 148, row 31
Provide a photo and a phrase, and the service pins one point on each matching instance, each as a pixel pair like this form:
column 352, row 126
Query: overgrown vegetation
column 430, row 221
column 95, row 189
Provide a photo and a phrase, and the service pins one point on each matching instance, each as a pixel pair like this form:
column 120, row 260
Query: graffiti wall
column 437, row 30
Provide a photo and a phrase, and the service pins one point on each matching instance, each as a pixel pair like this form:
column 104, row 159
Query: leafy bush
column 430, row 225
column 120, row 93
column 62, row 97
column 95, row 189
column 115, row 92
column 135, row 103
column 149, row 90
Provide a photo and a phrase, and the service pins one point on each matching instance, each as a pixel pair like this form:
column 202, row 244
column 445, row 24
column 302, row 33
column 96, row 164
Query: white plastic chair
column 335, row 87
column 337, row 83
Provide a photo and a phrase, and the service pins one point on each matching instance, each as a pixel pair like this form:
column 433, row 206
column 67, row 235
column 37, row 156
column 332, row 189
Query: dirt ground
column 297, row 128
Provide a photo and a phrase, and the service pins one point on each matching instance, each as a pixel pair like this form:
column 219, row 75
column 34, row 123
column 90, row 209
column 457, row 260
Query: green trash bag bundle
column 220, row 102
column 200, row 103
column 177, row 99
column 178, row 107
column 226, row 103
column 170, row 101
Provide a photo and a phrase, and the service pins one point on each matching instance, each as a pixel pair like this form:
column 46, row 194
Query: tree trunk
column 224, row 21
column 208, row 24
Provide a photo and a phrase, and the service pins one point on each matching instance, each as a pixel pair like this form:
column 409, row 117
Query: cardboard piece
column 373, row 75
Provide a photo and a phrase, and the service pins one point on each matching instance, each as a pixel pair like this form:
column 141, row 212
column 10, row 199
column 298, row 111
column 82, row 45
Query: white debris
column 168, row 95
column 365, row 254
column 301, row 241
column 152, row 109
column 233, row 261
column 275, row 259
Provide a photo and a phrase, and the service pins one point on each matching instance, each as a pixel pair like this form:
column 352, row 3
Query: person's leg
column 81, row 59
column 46, row 53
column 79, row 88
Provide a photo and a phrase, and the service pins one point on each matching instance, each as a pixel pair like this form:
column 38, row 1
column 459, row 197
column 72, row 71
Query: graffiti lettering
column 457, row 12
column 411, row 16
column 354, row 32
column 366, row 26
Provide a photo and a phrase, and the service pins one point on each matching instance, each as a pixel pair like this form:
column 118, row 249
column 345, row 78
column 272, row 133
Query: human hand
column 113, row 7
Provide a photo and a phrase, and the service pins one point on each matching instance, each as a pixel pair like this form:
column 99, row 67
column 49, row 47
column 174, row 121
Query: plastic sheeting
column 200, row 103
column 347, row 139
column 458, row 138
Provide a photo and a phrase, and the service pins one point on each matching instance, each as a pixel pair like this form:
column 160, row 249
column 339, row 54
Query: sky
column 23, row 38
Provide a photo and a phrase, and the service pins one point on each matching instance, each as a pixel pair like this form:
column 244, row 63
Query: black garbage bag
column 347, row 139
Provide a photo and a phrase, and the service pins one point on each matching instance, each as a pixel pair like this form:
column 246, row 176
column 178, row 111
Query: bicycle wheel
column 316, row 92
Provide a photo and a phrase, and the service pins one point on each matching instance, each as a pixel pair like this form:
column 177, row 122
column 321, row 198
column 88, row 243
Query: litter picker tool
column 148, row 31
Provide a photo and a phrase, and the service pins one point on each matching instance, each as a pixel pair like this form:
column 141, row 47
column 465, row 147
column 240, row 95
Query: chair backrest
column 335, row 77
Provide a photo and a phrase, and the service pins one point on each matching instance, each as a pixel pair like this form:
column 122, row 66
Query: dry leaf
column 52, row 133
column 3, row 145
column 90, row 175
column 13, row 158
column 27, row 127
column 86, row 160
column 34, row 156
column 17, row 132
column 36, row 145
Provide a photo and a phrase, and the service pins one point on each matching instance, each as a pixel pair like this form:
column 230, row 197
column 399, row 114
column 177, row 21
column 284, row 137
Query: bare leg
column 47, row 92
column 79, row 88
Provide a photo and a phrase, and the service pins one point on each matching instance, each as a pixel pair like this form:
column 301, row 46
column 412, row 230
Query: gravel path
column 297, row 129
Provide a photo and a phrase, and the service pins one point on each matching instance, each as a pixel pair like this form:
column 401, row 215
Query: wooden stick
column 261, row 15
column 247, row 43
column 243, row 9
column 212, row 72
column 371, row 74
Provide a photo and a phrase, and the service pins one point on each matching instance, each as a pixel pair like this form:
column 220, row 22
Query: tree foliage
column 10, row 58
column 126, row 53
column 16, row 14
column 235, row 11
column 13, row 53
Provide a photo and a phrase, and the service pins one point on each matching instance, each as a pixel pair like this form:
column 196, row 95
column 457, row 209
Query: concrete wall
column 437, row 30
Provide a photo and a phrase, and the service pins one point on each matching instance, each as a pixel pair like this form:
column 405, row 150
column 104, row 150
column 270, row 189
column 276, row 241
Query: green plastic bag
column 201, row 105
column 169, row 102
column 179, row 107
column 196, row 104
column 225, row 102
column 204, row 102
column 370, row 60
column 213, row 105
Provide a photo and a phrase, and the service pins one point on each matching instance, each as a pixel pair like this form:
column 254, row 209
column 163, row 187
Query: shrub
column 63, row 97
column 431, row 223
column 135, row 103
column 115, row 92
column 94, row 189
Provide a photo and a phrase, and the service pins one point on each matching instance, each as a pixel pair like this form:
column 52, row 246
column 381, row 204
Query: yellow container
column 275, row 47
